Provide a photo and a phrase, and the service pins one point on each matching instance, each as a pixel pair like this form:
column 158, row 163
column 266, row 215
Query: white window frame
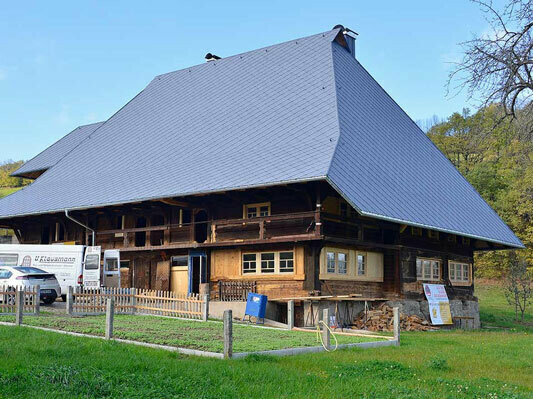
column 431, row 277
column 277, row 263
column 337, row 270
column 247, row 207
column 357, row 271
column 459, row 266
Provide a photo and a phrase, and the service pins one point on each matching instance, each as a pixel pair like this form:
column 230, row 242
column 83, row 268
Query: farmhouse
column 286, row 170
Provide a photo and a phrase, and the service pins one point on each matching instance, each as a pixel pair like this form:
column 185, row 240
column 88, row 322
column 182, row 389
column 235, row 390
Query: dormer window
column 256, row 210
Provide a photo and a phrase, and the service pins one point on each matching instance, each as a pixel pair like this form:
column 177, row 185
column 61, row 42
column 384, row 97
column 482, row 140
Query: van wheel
column 48, row 301
column 64, row 298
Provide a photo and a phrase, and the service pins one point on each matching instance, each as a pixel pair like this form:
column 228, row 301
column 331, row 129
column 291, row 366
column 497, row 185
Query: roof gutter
column 81, row 224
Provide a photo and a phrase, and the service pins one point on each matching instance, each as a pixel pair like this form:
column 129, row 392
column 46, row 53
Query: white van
column 73, row 265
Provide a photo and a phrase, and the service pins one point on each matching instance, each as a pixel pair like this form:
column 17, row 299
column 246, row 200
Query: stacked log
column 382, row 319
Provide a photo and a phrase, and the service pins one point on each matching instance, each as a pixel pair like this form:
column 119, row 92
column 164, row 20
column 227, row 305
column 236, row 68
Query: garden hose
column 319, row 336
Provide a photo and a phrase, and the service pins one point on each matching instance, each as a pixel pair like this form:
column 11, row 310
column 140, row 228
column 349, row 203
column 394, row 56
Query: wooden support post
column 290, row 315
column 19, row 306
column 37, row 299
column 325, row 329
column 109, row 316
column 396, row 314
column 262, row 230
column 205, row 307
column 70, row 299
column 133, row 301
column 228, row 334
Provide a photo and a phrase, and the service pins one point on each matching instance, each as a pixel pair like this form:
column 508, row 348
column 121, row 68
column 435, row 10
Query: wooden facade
column 289, row 231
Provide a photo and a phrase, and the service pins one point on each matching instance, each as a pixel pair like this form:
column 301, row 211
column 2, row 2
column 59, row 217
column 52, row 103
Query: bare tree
column 497, row 65
column 518, row 291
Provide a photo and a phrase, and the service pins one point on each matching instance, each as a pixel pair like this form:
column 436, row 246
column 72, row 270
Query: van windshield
column 92, row 262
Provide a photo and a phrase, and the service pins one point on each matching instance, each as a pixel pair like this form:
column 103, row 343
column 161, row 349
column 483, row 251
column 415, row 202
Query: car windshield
column 28, row 270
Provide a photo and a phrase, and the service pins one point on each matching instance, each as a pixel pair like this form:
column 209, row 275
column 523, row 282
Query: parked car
column 22, row 276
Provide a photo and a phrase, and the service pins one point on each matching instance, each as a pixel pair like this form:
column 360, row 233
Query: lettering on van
column 55, row 259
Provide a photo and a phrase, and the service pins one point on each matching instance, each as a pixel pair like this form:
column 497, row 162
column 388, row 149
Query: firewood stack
column 382, row 319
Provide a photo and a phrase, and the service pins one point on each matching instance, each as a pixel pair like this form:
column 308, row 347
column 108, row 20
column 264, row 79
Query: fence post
column 19, row 302
column 37, row 299
column 325, row 329
column 396, row 314
column 228, row 334
column 109, row 315
column 205, row 307
column 70, row 299
column 290, row 315
column 133, row 301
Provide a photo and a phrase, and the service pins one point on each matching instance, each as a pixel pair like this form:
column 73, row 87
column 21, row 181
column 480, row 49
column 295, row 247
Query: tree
column 518, row 291
column 498, row 65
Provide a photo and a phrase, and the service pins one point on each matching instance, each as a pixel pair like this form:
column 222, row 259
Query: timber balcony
column 302, row 226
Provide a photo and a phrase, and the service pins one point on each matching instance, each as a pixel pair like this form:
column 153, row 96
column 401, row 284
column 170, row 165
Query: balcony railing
column 294, row 226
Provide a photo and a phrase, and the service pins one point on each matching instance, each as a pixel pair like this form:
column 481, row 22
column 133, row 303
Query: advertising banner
column 439, row 305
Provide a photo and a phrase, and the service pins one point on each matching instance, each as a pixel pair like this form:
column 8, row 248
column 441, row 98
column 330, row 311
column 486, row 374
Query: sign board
column 439, row 305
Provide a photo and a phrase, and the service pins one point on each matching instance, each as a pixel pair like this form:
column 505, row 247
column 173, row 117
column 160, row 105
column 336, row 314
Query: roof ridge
column 223, row 59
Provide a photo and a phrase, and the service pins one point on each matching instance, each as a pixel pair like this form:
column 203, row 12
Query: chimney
column 211, row 57
column 349, row 37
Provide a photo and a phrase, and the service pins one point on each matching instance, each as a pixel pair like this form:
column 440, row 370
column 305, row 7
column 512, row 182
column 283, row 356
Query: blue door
column 197, row 270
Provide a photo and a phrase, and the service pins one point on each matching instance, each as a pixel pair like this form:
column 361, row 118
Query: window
column 286, row 262
column 9, row 259
column 466, row 241
column 344, row 209
column 427, row 269
column 256, row 210
column 249, row 264
column 91, row 262
column 416, row 231
column 433, row 234
column 5, row 274
column 176, row 261
column 124, row 264
column 361, row 264
column 269, row 262
column 342, row 264
column 459, row 272
column 331, row 262
column 452, row 238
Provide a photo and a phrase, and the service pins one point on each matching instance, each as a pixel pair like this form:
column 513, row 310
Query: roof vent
column 349, row 37
column 211, row 57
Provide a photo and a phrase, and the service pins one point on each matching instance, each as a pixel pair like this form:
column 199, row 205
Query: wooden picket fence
column 235, row 290
column 89, row 301
column 8, row 300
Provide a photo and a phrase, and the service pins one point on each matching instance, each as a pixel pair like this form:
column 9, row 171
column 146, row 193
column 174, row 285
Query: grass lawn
column 427, row 365
column 496, row 312
column 444, row 364
column 182, row 333
column 5, row 191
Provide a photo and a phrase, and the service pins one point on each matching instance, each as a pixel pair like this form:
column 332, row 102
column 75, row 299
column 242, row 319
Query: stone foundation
column 464, row 312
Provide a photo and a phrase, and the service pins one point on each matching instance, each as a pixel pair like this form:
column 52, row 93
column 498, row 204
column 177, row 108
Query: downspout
column 81, row 224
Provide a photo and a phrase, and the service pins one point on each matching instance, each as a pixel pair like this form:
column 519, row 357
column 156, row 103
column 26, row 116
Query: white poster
column 439, row 305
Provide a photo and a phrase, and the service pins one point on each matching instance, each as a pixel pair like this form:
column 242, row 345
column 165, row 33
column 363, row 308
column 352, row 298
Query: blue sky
column 64, row 64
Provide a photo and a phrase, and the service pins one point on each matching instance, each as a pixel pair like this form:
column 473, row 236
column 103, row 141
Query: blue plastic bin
column 256, row 306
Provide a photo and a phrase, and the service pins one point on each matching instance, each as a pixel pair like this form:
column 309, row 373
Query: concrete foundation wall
column 217, row 308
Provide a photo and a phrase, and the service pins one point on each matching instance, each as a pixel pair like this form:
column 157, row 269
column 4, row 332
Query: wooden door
column 162, row 277
column 179, row 279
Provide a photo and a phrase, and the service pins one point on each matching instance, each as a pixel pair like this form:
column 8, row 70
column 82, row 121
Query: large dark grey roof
column 53, row 154
column 297, row 111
